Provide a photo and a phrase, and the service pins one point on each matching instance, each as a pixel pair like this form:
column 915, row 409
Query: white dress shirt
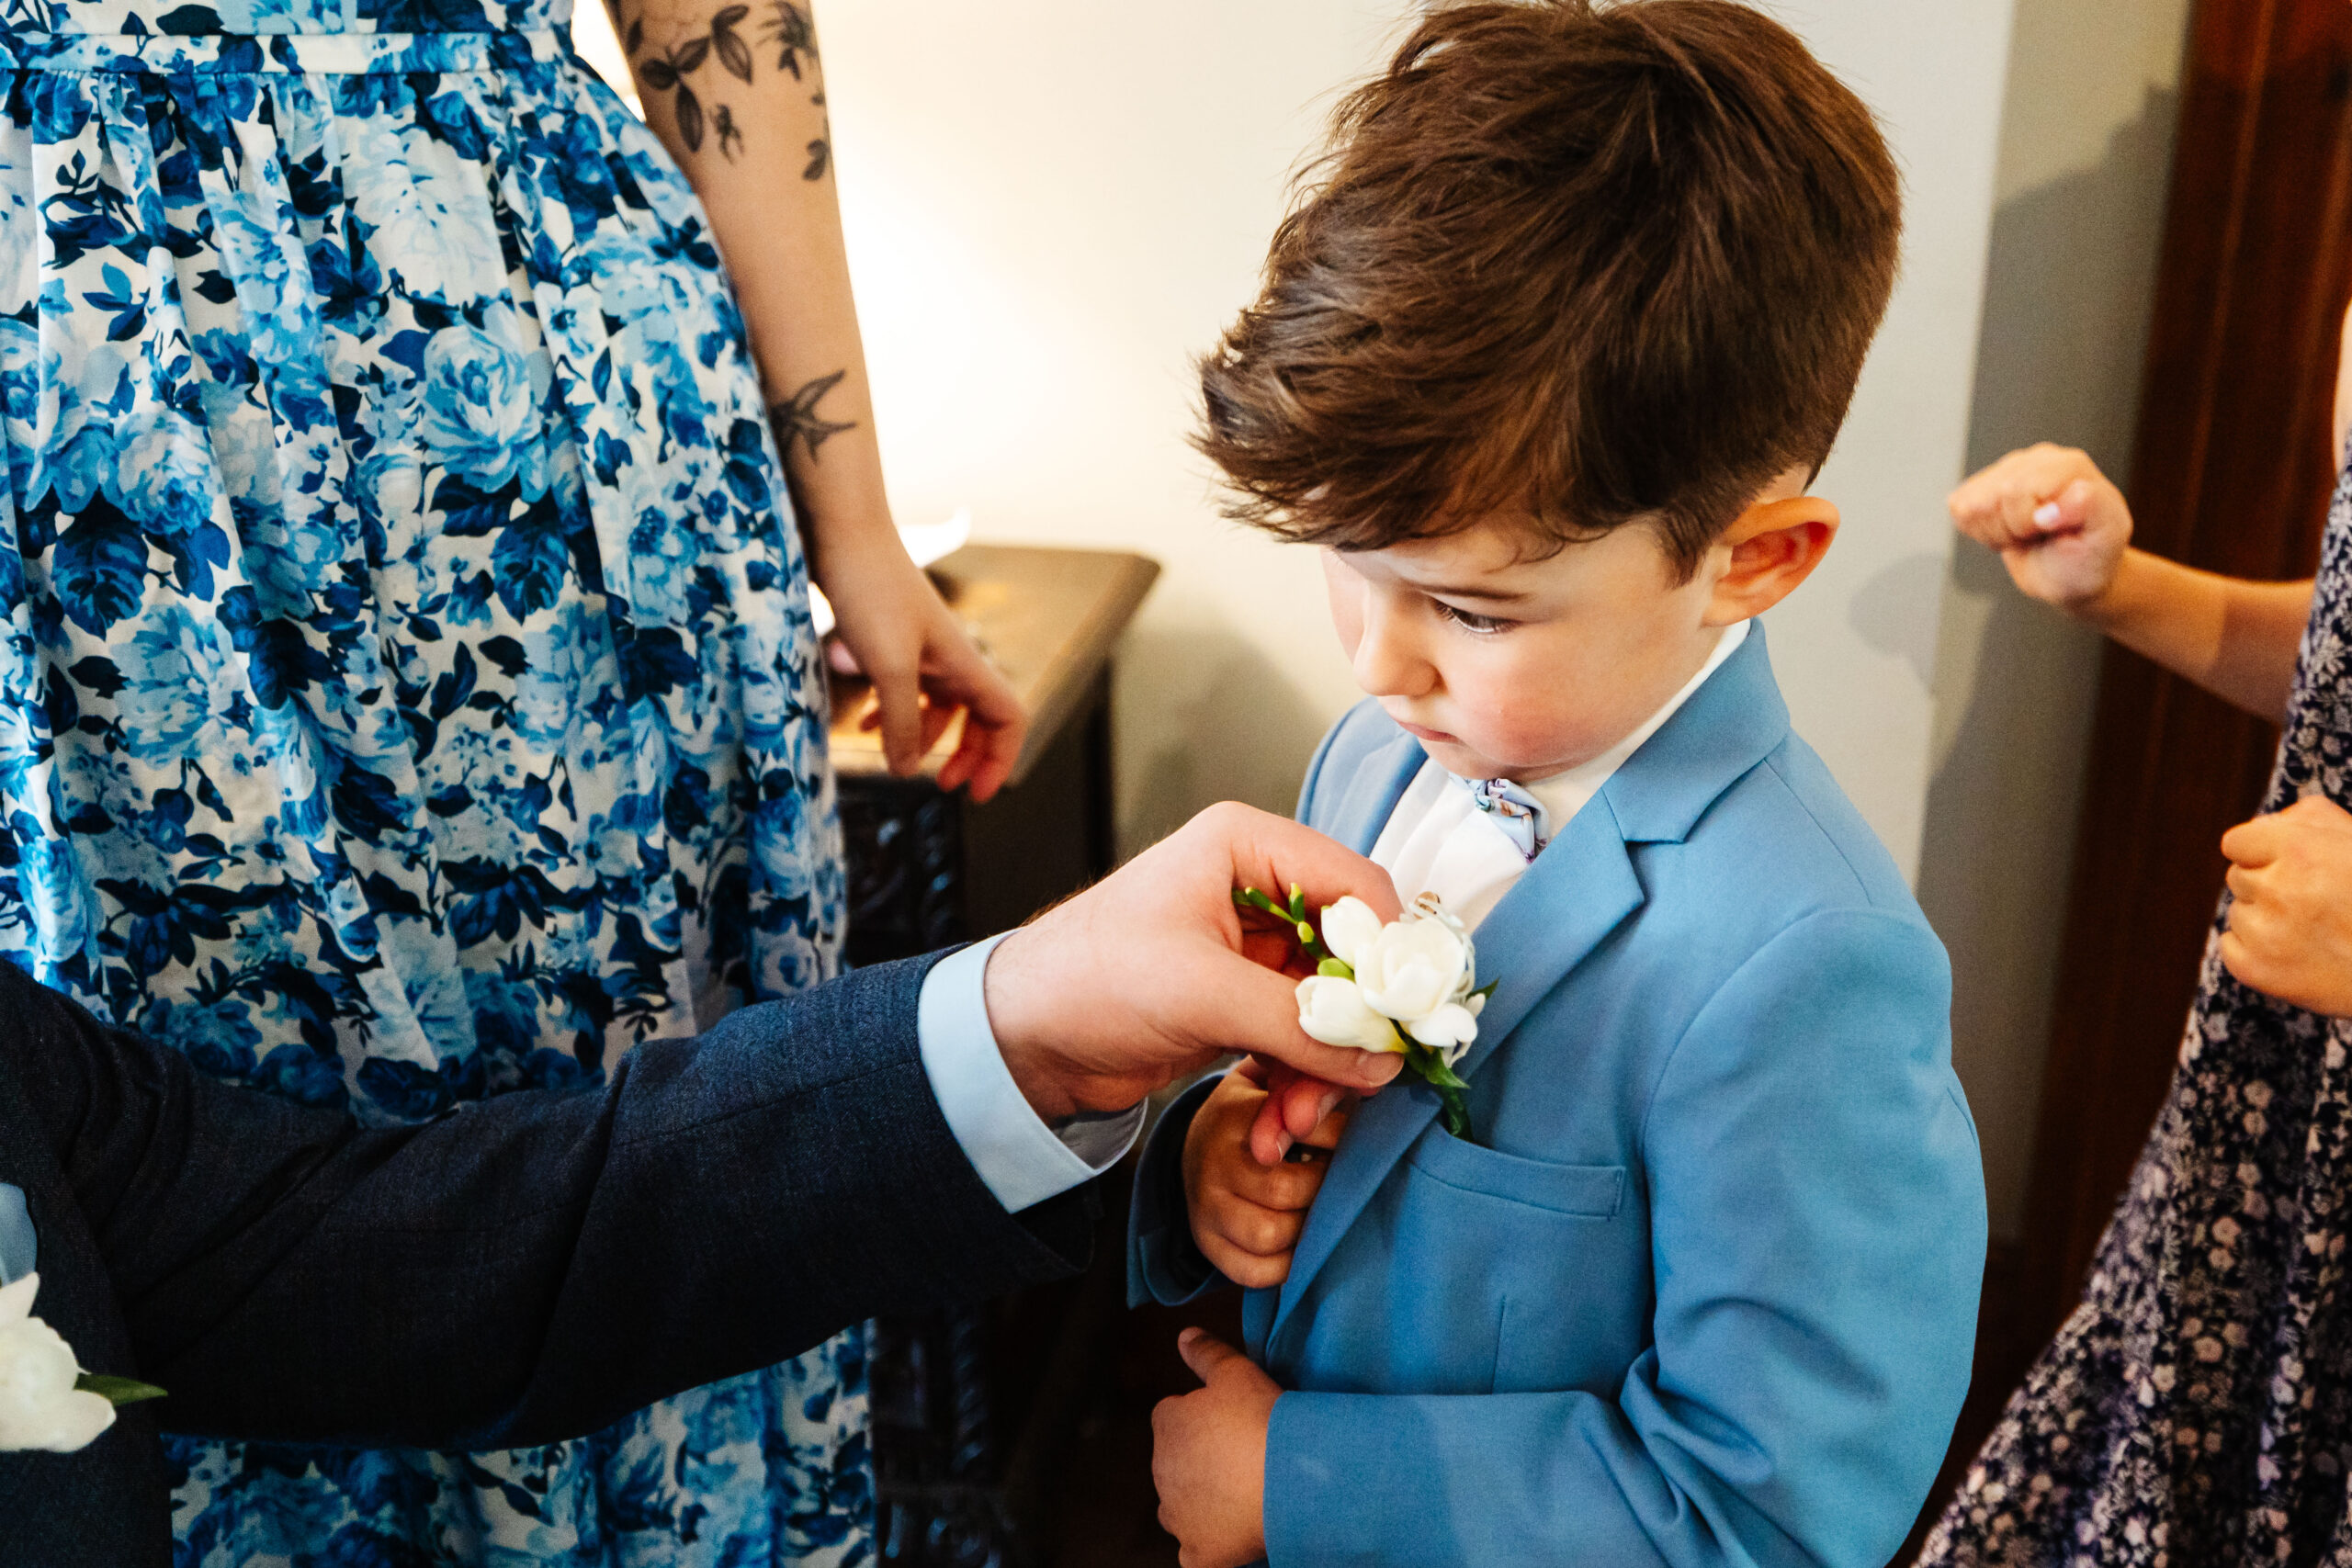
column 1437, row 840
column 1021, row 1159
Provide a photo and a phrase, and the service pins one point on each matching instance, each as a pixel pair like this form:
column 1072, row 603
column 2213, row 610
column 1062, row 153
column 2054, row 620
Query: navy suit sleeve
column 536, row 1266
column 1818, row 1208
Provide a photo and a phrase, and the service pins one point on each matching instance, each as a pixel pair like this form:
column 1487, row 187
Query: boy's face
column 1507, row 666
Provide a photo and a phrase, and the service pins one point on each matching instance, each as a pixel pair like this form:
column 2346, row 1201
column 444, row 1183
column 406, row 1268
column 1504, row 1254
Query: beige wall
column 2086, row 154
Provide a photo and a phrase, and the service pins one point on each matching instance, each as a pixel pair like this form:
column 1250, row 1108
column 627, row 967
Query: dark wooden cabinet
column 974, row 1411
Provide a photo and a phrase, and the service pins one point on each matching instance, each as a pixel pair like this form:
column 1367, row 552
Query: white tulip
column 39, row 1406
column 1414, row 967
column 1333, row 1010
column 1349, row 926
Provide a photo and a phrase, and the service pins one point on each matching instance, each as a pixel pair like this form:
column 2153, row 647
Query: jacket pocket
column 1587, row 1192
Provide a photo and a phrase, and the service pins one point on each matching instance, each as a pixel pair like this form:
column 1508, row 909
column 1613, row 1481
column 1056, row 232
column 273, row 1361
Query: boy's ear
column 1771, row 547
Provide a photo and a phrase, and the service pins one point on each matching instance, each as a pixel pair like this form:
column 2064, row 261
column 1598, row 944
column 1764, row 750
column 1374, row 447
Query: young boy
column 1546, row 361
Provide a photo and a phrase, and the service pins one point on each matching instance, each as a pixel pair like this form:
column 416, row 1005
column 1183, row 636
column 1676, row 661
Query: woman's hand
column 923, row 668
column 2290, row 926
column 1247, row 1215
column 2059, row 524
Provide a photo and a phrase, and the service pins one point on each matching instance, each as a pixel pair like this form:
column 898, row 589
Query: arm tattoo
column 820, row 150
column 794, row 35
column 796, row 419
column 665, row 70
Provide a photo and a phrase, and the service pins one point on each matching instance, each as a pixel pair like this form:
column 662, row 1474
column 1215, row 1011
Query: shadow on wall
column 2069, row 279
column 1894, row 612
column 1241, row 731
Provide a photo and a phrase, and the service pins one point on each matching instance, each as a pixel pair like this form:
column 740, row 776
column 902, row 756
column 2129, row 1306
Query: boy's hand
column 1208, row 1456
column 2059, row 527
column 2291, row 927
column 1246, row 1216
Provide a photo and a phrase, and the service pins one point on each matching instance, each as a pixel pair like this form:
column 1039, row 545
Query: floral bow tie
column 1509, row 807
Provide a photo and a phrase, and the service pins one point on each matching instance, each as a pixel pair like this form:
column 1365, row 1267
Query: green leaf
column 1456, row 1113
column 118, row 1391
column 1488, row 990
column 1336, row 968
column 1425, row 1061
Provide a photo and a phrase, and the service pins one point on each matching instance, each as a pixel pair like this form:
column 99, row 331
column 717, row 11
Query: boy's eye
column 1483, row 625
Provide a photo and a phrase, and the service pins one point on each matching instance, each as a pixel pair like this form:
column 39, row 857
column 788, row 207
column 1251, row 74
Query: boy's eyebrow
column 1491, row 595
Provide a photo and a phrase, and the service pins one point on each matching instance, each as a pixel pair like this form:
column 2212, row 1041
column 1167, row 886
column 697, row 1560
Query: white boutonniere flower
column 1409, row 985
column 47, row 1401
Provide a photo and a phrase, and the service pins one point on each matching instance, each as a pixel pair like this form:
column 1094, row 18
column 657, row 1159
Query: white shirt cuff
column 1020, row 1160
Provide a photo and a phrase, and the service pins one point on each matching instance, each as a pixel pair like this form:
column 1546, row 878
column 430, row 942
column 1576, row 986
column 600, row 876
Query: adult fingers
column 1253, row 1009
column 1205, row 1353
column 995, row 726
column 2254, row 843
column 1275, row 853
column 2067, row 512
column 2249, row 964
column 898, row 698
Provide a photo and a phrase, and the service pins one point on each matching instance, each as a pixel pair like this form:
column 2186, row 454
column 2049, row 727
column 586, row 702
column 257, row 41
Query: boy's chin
column 1461, row 761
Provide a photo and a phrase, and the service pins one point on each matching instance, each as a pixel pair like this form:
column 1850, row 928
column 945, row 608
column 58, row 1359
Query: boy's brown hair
column 1590, row 263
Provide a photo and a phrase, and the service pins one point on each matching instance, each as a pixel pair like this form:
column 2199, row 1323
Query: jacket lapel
column 1579, row 890
column 1372, row 793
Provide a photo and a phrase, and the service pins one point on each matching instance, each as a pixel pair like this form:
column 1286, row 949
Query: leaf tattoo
column 794, row 35
column 731, row 139
column 667, row 74
column 796, row 419
column 733, row 52
column 820, row 150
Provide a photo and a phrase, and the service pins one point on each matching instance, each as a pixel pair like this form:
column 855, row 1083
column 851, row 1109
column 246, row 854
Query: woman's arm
column 736, row 90
column 2236, row 638
column 2064, row 533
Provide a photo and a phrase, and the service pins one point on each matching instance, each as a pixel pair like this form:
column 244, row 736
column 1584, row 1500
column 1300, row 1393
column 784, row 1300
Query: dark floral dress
column 2196, row 1410
column 407, row 688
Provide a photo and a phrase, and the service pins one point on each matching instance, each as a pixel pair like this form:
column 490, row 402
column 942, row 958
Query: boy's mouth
column 1422, row 732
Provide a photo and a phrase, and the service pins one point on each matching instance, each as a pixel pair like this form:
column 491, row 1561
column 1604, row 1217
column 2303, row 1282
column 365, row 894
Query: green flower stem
column 1429, row 1065
column 1292, row 914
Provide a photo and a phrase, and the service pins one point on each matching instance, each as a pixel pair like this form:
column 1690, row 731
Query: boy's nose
column 1388, row 663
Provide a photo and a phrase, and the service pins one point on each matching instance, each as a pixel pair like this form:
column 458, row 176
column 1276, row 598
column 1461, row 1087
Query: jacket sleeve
column 1818, row 1216
column 1164, row 1264
column 537, row 1265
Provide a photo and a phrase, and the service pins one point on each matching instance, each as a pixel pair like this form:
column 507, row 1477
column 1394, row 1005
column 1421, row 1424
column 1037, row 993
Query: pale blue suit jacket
column 1705, row 1292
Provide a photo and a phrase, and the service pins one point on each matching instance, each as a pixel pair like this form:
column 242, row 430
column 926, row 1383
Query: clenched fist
column 2059, row 524
column 2291, row 925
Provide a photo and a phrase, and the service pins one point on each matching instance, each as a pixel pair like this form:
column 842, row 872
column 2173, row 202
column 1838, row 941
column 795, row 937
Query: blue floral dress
column 407, row 690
